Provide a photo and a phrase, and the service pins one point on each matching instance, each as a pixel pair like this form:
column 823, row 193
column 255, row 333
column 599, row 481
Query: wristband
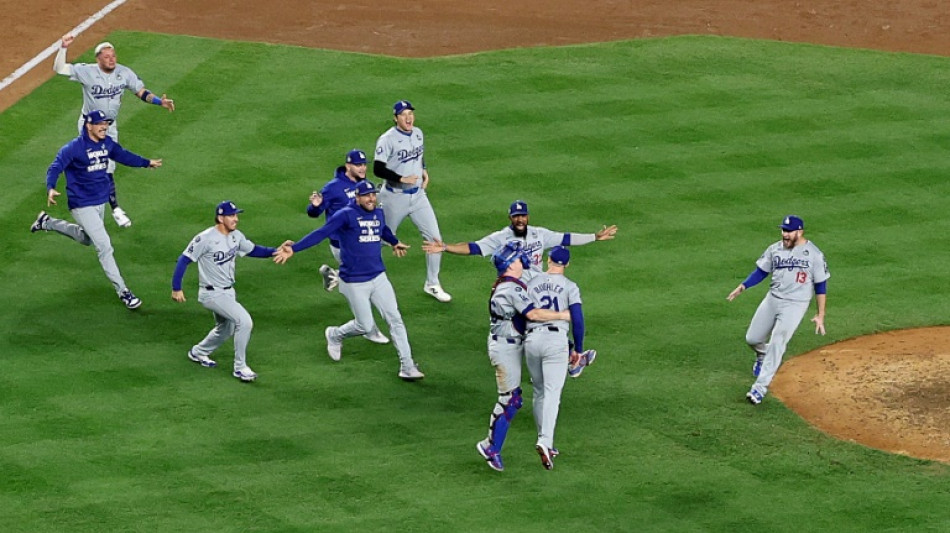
column 156, row 100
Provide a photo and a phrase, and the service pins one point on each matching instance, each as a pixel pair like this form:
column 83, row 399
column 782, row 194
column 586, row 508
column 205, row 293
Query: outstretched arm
column 146, row 96
column 459, row 248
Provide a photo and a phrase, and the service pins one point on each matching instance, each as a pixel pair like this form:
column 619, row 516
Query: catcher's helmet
column 508, row 254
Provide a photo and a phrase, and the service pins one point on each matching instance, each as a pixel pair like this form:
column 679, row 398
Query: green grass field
column 695, row 146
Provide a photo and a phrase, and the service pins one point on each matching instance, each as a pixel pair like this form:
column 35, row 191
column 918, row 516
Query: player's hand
column 736, row 292
column 154, row 163
column 178, row 296
column 283, row 253
column 410, row 179
column 433, row 247
column 819, row 324
column 51, row 197
column 67, row 40
column 606, row 234
column 399, row 249
column 168, row 103
column 574, row 358
column 316, row 199
column 425, row 179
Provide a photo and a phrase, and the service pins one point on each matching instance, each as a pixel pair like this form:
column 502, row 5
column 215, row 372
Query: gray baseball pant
column 397, row 206
column 774, row 323
column 362, row 297
column 546, row 354
column 230, row 319
column 90, row 230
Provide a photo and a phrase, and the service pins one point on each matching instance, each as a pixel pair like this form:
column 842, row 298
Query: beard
column 520, row 232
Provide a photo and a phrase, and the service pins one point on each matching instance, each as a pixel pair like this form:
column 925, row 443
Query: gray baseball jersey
column 505, row 343
column 555, row 292
column 794, row 272
column 402, row 152
column 215, row 253
column 104, row 91
column 535, row 242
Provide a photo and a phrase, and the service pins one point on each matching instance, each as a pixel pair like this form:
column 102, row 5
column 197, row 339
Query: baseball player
column 335, row 195
column 798, row 271
column 84, row 161
column 399, row 160
column 547, row 350
column 363, row 280
column 102, row 87
column 509, row 306
column 534, row 240
column 215, row 250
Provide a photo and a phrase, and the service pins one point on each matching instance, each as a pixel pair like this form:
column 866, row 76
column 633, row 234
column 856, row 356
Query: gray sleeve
column 132, row 81
column 195, row 248
column 489, row 244
column 244, row 244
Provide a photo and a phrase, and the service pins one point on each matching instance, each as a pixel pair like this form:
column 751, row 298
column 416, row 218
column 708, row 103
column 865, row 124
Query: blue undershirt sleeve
column 261, row 251
column 474, row 249
column 821, row 288
column 577, row 327
column 755, row 277
column 179, row 274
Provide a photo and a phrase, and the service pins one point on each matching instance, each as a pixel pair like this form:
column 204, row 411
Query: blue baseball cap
column 356, row 157
column 228, row 208
column 792, row 223
column 518, row 208
column 95, row 117
column 560, row 255
column 401, row 106
column 365, row 187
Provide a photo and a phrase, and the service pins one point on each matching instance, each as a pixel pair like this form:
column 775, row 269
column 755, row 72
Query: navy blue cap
column 792, row 223
column 364, row 187
column 560, row 255
column 227, row 208
column 518, row 208
column 95, row 117
column 356, row 157
column 401, row 106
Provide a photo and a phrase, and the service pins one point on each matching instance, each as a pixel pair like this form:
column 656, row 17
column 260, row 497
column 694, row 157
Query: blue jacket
column 361, row 233
column 85, row 161
column 337, row 194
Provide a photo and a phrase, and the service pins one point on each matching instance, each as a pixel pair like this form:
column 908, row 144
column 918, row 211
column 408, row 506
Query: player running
column 799, row 271
column 215, row 250
column 335, row 195
column 102, row 86
column 84, row 161
column 363, row 281
column 399, row 160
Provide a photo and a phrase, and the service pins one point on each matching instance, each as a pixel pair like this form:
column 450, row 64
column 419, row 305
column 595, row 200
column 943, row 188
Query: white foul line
column 42, row 56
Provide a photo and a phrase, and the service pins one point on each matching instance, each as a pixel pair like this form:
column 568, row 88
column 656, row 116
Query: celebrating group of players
column 536, row 315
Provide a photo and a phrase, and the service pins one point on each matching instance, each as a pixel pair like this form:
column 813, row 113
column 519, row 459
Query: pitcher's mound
column 889, row 391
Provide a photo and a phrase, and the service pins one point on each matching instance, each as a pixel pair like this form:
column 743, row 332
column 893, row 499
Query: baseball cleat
column 547, row 459
column 40, row 223
column 436, row 292
column 410, row 372
column 202, row 360
column 121, row 218
column 757, row 367
column 334, row 349
column 755, row 397
column 245, row 374
column 130, row 300
column 377, row 337
column 585, row 360
column 331, row 278
column 491, row 458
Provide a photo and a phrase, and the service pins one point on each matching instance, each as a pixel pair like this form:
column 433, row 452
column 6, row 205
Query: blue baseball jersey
column 361, row 233
column 85, row 163
column 337, row 194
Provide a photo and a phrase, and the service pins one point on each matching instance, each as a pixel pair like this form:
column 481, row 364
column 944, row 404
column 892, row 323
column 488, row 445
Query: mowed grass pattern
column 695, row 146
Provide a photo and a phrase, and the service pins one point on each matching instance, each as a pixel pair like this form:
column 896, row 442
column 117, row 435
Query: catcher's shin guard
column 505, row 410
